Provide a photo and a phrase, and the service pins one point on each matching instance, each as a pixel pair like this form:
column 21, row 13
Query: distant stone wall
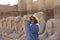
column 7, row 8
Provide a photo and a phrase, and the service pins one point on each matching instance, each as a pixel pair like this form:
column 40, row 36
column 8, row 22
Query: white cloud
column 11, row 2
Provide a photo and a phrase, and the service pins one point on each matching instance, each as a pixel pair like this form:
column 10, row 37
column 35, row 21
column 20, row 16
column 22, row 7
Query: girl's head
column 33, row 20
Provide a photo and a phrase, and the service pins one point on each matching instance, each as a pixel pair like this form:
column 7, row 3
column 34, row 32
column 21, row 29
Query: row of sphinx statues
column 11, row 28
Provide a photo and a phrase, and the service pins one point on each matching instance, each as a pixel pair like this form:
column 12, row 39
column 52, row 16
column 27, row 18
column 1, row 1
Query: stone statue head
column 17, row 19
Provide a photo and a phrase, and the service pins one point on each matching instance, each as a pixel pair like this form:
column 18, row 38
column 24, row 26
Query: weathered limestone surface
column 23, row 37
column 41, row 4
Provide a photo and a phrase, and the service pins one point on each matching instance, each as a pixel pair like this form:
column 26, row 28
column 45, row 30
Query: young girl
column 32, row 29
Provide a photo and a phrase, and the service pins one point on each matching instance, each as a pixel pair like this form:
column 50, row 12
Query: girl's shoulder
column 37, row 24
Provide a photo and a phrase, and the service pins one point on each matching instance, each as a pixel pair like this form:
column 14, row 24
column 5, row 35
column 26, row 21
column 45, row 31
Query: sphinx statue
column 18, row 24
column 10, row 27
column 52, row 26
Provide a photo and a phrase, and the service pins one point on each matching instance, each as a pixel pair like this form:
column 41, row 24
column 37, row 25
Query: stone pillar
column 22, row 7
column 41, row 4
column 56, row 2
column 29, row 6
column 49, row 4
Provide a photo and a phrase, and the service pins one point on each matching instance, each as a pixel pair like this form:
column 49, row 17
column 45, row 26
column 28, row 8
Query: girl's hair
column 34, row 19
